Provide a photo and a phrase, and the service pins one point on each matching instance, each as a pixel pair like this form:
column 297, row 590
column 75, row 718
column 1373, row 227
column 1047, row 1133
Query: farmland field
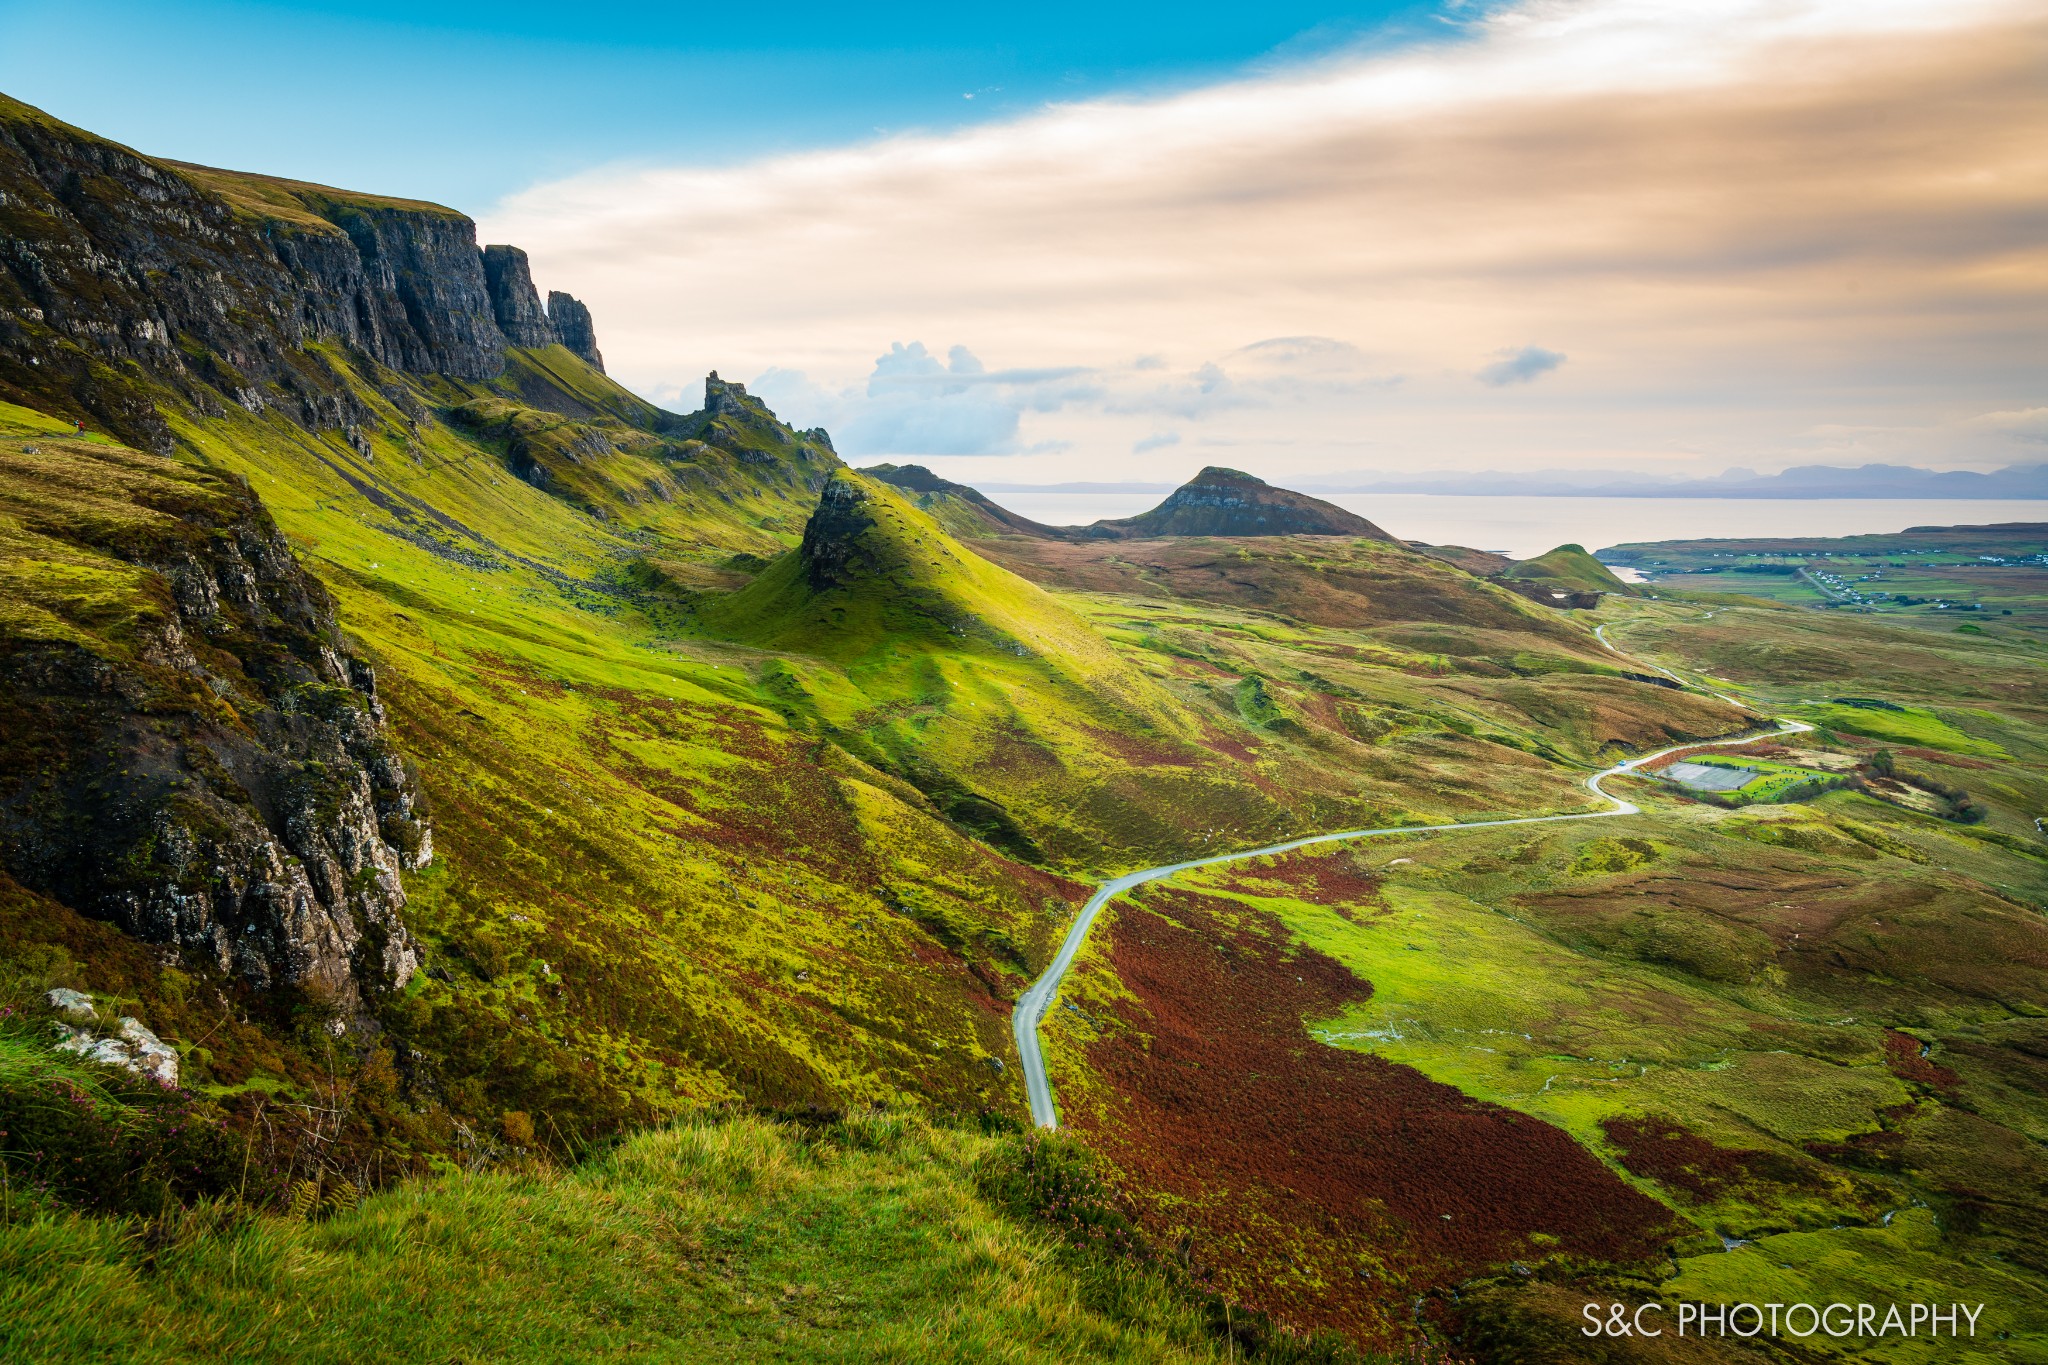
column 1945, row 578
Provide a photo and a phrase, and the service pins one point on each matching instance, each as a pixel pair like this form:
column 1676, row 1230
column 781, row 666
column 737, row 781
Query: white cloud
column 1745, row 220
column 913, row 403
column 2026, row 424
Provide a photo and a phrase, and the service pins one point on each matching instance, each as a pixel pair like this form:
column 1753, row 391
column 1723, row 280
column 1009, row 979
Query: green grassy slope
column 1570, row 568
column 709, row 1241
column 960, row 510
column 651, row 891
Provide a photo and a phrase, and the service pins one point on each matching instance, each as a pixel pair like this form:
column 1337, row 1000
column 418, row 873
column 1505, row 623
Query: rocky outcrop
column 835, row 552
column 573, row 328
column 514, row 301
column 115, row 266
column 1229, row 502
column 726, row 398
column 209, row 770
column 131, row 1045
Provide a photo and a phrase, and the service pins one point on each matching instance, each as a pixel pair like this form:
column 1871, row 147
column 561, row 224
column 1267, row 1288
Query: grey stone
column 77, row 1004
column 136, row 1049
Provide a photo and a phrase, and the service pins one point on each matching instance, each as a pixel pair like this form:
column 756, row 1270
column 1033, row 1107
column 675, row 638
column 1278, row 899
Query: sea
column 1525, row 526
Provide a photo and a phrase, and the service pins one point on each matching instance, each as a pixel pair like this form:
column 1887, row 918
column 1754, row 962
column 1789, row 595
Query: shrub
column 1051, row 1177
column 102, row 1139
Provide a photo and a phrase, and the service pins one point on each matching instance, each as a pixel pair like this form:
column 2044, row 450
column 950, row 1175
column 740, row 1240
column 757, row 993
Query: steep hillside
column 503, row 532
column 128, row 279
column 1228, row 502
column 961, row 510
column 192, row 751
column 873, row 574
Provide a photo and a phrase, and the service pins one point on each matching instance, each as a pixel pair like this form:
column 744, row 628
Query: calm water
column 1524, row 527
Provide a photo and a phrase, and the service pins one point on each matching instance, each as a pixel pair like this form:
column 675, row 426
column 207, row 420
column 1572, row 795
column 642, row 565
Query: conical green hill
column 1569, row 568
column 875, row 577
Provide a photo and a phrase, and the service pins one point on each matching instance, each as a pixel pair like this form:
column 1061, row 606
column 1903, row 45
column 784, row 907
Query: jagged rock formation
column 212, row 283
column 872, row 571
column 573, row 328
column 726, row 398
column 514, row 301
column 204, row 762
column 1229, row 502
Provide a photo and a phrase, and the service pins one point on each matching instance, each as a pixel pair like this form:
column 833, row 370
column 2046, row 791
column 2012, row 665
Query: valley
column 616, row 871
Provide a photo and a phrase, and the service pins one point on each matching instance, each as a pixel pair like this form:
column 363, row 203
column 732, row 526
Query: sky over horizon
column 1650, row 235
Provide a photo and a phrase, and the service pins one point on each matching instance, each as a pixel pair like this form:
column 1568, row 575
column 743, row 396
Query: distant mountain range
column 1804, row 481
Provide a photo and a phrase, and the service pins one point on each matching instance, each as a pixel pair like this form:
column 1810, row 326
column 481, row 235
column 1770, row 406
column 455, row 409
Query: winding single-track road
column 1033, row 1004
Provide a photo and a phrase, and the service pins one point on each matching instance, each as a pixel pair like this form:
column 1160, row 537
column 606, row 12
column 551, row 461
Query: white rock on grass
column 137, row 1049
column 155, row 1058
column 77, row 1004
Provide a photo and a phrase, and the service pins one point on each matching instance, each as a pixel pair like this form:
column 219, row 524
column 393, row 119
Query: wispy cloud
column 1519, row 365
column 1745, row 221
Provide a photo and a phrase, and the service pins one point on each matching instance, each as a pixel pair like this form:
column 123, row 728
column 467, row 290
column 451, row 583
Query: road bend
column 1033, row 1004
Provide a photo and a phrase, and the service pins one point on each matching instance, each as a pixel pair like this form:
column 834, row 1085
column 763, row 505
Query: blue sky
column 1301, row 237
column 465, row 102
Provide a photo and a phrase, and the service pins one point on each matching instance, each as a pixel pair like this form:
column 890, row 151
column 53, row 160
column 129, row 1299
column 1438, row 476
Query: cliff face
column 514, row 301
column 190, row 749
column 123, row 276
column 571, row 321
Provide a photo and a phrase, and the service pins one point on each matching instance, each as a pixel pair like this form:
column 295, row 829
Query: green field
column 1985, row 578
column 1773, row 780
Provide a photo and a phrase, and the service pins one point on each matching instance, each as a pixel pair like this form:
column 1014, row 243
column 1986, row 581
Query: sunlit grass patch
column 732, row 1239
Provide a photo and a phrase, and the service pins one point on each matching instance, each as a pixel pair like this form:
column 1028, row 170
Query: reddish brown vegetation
column 1951, row 760
column 1906, row 1058
column 1676, row 1157
column 1881, row 1150
column 1334, row 880
column 1142, row 753
column 1325, row 1187
column 1330, row 583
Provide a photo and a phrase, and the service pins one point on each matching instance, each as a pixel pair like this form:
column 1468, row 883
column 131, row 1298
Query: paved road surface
column 1032, row 1005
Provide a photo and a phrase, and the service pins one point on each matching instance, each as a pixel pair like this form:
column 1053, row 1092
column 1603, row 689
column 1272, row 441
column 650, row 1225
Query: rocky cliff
column 190, row 749
column 128, row 282
column 571, row 321
column 514, row 301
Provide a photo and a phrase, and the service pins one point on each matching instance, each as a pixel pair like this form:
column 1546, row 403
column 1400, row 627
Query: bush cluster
column 101, row 1140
